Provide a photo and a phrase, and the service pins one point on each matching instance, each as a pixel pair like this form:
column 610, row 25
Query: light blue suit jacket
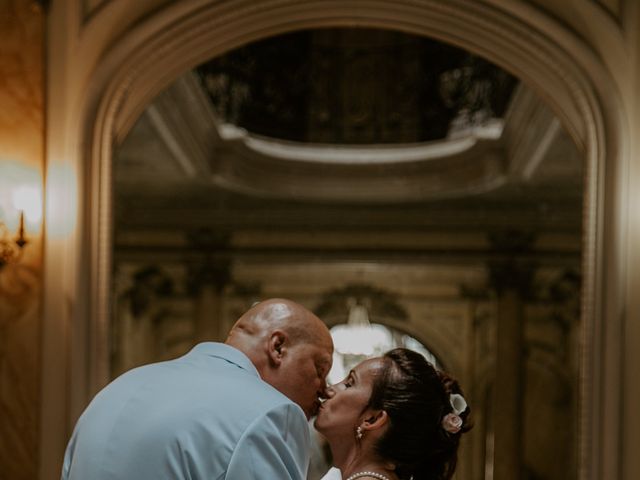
column 206, row 415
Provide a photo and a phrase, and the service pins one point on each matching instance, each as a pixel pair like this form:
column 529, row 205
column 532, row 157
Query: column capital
column 148, row 283
column 216, row 274
column 512, row 269
column 211, row 270
column 511, row 275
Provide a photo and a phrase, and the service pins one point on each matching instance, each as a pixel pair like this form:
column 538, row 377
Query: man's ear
column 375, row 419
column 277, row 347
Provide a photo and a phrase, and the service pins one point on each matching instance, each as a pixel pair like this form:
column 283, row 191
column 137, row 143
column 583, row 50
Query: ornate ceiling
column 366, row 133
column 353, row 86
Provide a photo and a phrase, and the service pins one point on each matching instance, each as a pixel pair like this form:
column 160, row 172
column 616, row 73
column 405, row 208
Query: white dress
column 333, row 474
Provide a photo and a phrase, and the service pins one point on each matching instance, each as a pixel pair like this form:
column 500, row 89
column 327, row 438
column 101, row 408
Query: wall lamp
column 20, row 207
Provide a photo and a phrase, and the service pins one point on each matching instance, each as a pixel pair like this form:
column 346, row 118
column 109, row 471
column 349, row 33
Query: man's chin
column 313, row 411
column 317, row 415
column 317, row 425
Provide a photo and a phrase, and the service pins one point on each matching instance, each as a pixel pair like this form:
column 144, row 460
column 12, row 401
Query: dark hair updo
column 416, row 398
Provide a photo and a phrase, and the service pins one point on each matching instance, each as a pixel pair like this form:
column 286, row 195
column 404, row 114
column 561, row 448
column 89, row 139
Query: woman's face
column 342, row 412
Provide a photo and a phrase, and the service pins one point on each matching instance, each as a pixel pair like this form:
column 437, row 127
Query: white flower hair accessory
column 452, row 422
column 458, row 403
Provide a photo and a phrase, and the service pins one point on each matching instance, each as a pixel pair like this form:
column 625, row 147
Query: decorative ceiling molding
column 355, row 155
column 237, row 160
column 320, row 255
column 241, row 168
column 135, row 215
column 185, row 122
column 471, row 161
column 530, row 129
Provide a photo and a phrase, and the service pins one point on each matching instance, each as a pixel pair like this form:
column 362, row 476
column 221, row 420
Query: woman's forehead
column 371, row 366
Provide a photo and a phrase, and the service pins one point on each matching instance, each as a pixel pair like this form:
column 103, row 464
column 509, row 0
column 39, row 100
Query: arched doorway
column 178, row 37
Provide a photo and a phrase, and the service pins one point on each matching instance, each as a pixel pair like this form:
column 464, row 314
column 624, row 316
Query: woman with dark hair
column 394, row 417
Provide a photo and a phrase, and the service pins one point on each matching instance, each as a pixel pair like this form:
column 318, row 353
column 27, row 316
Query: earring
column 359, row 433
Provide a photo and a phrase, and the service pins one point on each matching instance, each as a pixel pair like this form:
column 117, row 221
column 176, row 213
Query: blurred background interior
column 383, row 180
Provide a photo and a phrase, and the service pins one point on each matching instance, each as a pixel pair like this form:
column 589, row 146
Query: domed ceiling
column 354, row 86
column 348, row 128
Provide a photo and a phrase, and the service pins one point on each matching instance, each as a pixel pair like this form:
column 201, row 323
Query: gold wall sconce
column 11, row 248
column 20, row 207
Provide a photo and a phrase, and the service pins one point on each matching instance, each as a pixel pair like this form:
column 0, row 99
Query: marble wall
column 21, row 149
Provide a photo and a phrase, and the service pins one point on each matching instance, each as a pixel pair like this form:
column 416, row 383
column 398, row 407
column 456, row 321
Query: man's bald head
column 277, row 313
column 290, row 347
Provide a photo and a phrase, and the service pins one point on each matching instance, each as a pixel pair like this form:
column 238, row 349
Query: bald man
column 234, row 411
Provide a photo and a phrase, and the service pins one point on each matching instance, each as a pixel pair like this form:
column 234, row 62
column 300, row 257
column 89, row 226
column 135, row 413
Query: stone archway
column 546, row 56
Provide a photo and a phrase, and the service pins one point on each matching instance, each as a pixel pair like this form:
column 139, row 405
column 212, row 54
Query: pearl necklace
column 379, row 476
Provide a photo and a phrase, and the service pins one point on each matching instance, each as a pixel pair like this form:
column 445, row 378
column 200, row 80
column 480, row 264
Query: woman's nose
column 329, row 391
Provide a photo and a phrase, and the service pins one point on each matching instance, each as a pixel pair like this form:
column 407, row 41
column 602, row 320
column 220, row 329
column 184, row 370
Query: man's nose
column 328, row 392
